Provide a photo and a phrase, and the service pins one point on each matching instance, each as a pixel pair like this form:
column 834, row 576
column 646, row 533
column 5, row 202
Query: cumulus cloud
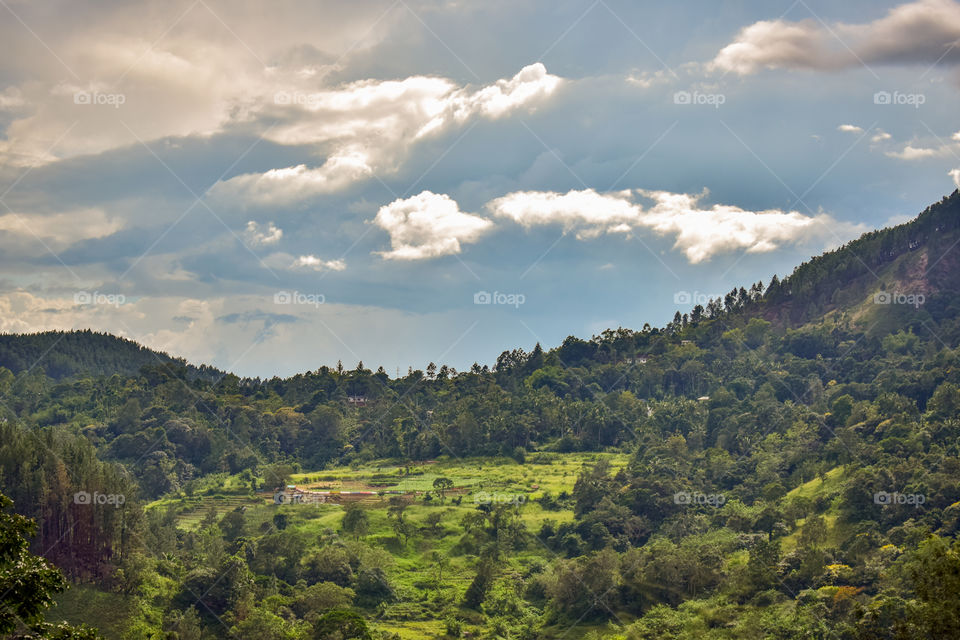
column 316, row 264
column 499, row 99
column 700, row 232
column 850, row 128
column 368, row 127
column 955, row 174
column 588, row 212
column 262, row 236
column 428, row 225
column 703, row 232
column 922, row 32
column 775, row 43
column 880, row 136
column 910, row 152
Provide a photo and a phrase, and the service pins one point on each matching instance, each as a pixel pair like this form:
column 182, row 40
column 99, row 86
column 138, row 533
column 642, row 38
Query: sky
column 269, row 187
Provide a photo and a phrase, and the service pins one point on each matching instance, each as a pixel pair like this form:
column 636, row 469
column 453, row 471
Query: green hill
column 66, row 354
column 781, row 463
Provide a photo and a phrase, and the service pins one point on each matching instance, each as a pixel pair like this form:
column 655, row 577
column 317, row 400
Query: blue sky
column 270, row 187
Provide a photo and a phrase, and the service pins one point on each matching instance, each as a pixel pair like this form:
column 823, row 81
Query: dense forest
column 780, row 463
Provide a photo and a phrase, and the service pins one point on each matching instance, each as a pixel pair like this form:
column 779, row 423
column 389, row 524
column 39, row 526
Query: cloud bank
column 700, row 232
column 923, row 32
column 367, row 127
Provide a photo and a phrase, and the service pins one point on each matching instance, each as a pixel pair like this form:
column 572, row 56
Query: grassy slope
column 411, row 565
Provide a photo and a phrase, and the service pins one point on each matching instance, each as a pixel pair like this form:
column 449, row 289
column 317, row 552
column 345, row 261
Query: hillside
column 66, row 354
column 914, row 262
column 784, row 463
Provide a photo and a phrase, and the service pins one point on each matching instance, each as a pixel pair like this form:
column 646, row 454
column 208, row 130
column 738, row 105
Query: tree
column 312, row 601
column 231, row 524
column 395, row 514
column 329, row 564
column 128, row 420
column 356, row 522
column 478, row 589
column 341, row 624
column 592, row 485
column 440, row 563
column 431, row 524
column 814, row 533
column 762, row 564
column 586, row 586
column 277, row 475
column 442, row 485
column 28, row 583
column 261, row 624
column 373, row 587
column 934, row 570
column 185, row 624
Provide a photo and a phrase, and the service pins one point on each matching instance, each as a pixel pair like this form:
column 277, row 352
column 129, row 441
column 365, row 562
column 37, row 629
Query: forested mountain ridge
column 787, row 464
column 908, row 263
column 66, row 354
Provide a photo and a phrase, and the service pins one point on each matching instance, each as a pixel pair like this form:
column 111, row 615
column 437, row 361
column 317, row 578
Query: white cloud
column 649, row 79
column 700, row 232
column 315, row 263
column 59, row 229
column 531, row 83
column 772, row 44
column 181, row 69
column 956, row 137
column 880, row 136
column 955, row 174
column 258, row 236
column 587, row 211
column 909, row 152
column 428, row 225
column 368, row 127
column 264, row 74
column 850, row 128
column 10, row 99
column 283, row 187
column 922, row 32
